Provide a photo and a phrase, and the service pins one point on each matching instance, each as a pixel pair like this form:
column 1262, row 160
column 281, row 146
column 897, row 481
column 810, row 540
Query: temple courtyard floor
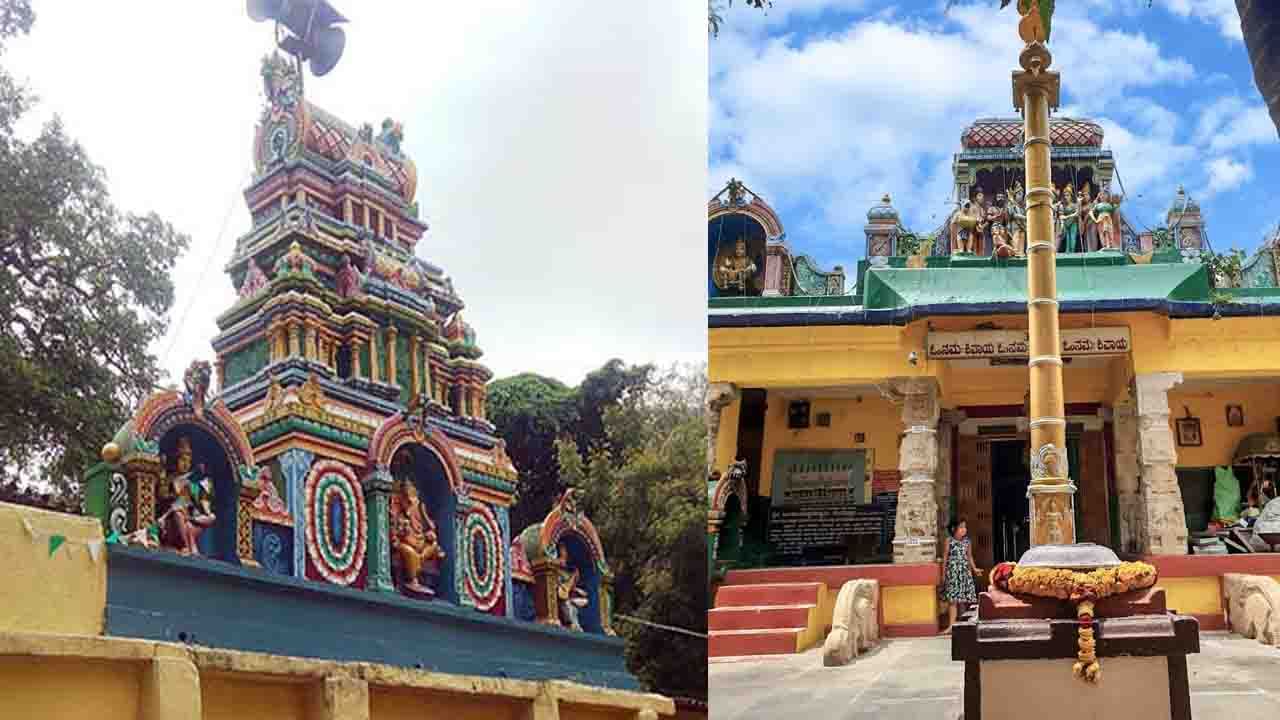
column 916, row 679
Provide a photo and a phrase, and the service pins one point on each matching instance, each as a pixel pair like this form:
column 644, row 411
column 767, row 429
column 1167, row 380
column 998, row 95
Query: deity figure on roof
column 1000, row 245
column 1016, row 219
column 1088, row 227
column 569, row 593
column 1069, row 217
column 735, row 271
column 416, row 553
column 995, row 215
column 1104, row 216
column 982, row 233
column 185, row 503
column 348, row 280
column 964, row 227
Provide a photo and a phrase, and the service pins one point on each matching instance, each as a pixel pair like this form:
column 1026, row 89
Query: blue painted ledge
column 162, row 596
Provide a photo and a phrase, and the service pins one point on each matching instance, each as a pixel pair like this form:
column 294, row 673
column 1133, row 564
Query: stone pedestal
column 916, row 525
column 1164, row 521
column 1018, row 656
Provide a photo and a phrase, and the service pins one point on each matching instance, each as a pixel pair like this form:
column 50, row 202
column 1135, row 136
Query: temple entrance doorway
column 1009, row 506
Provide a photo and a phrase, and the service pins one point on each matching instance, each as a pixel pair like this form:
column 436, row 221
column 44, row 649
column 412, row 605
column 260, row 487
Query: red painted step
column 759, row 617
column 731, row 643
column 768, row 594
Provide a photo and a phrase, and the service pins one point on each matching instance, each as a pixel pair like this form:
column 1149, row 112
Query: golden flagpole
column 1051, row 494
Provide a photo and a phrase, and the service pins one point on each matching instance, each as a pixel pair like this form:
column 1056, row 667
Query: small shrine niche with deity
column 747, row 254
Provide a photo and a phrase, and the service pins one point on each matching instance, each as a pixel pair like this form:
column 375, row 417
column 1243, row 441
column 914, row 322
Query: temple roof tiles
column 1007, row 133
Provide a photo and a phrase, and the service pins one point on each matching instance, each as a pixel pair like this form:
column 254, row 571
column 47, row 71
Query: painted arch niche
column 566, row 563
column 192, row 455
column 419, row 467
column 735, row 255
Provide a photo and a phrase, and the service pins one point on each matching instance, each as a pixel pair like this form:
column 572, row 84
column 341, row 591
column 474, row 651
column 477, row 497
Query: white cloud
column 1230, row 123
column 1226, row 174
column 841, row 118
column 561, row 153
column 1222, row 13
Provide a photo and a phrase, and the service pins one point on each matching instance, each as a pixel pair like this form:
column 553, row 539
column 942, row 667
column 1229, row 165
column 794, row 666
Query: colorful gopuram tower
column 346, row 442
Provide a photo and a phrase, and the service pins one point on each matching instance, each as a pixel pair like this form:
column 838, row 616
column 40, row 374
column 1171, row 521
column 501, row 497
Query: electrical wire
column 214, row 250
column 660, row 626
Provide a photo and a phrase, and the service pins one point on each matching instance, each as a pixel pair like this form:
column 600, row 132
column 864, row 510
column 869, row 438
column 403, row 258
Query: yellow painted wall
column 909, row 604
column 1008, row 385
column 62, row 593
column 1193, row 595
column 68, row 689
column 583, row 712
column 812, row 356
column 402, row 704
column 727, row 439
column 235, row 698
column 875, row 416
column 1261, row 404
column 1236, row 347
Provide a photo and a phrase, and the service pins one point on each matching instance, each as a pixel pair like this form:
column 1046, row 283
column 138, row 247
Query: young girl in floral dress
column 958, row 570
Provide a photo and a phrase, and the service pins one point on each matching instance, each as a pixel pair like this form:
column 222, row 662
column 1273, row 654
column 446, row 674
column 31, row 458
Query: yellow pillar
column 357, row 368
column 293, row 339
column 391, row 354
column 1035, row 90
column 375, row 373
column 309, row 340
column 413, row 363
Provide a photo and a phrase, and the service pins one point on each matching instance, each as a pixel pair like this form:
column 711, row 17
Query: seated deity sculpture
column 569, row 594
column 415, row 547
column 1000, row 245
column 185, row 503
column 734, row 271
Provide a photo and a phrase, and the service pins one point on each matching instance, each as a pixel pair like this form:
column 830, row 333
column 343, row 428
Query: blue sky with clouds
column 821, row 106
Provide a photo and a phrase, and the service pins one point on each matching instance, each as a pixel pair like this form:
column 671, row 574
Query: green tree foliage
column 84, row 289
column 646, row 494
column 532, row 412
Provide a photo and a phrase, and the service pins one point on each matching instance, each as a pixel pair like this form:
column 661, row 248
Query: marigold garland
column 1081, row 588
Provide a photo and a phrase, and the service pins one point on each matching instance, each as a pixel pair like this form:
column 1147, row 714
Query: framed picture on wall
column 1235, row 415
column 1189, row 432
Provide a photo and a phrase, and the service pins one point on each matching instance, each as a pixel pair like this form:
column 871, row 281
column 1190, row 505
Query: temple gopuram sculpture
column 347, row 441
column 561, row 566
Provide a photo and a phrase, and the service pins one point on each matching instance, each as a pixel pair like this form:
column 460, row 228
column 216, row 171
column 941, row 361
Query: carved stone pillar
column 375, row 372
column 546, row 579
column 377, row 493
column 719, row 397
column 357, row 367
column 295, row 464
column 391, row 355
column 143, row 473
column 1165, row 520
column 606, row 603
column 948, row 421
column 309, row 341
column 250, row 484
column 915, row 534
column 427, row 384
column 1132, row 513
column 293, row 339
column 414, row 342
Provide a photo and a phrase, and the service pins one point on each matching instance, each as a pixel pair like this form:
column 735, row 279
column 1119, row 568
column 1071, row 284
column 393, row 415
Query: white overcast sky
column 561, row 153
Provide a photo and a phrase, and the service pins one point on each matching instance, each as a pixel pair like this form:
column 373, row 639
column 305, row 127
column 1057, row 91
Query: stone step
column 759, row 617
column 769, row 594
column 731, row 643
